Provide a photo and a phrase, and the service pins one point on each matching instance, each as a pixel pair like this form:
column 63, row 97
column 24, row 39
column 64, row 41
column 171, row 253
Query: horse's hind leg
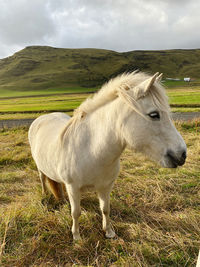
column 104, row 201
column 43, row 182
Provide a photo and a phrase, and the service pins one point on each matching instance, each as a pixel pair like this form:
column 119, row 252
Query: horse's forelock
column 160, row 98
column 131, row 93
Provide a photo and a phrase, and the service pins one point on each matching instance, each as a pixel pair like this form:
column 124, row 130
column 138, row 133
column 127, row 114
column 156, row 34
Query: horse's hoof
column 76, row 237
column 110, row 234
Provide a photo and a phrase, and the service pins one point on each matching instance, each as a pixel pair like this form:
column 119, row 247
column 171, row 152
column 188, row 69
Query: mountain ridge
column 43, row 67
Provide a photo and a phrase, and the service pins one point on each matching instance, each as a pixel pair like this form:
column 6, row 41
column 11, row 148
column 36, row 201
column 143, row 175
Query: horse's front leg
column 104, row 201
column 74, row 198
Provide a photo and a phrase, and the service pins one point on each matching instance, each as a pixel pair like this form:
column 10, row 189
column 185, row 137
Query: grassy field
column 182, row 99
column 185, row 96
column 154, row 211
column 181, row 83
column 46, row 103
column 4, row 93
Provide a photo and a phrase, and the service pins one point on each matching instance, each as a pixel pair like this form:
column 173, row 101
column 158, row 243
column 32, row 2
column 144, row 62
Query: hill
column 43, row 67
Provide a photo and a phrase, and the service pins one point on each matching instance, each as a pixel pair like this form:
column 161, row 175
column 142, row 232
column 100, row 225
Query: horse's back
column 56, row 117
column 48, row 124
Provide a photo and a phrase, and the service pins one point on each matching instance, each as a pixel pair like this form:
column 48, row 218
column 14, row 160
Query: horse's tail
column 57, row 189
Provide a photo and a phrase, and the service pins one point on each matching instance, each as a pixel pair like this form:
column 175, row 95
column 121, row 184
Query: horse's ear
column 159, row 78
column 142, row 88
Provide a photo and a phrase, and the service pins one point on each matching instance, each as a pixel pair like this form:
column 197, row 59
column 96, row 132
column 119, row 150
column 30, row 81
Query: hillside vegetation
column 43, row 67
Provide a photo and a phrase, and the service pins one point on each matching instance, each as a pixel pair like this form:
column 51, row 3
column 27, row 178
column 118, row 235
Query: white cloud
column 24, row 22
column 111, row 24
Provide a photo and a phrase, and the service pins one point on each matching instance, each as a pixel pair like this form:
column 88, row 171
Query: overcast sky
column 120, row 25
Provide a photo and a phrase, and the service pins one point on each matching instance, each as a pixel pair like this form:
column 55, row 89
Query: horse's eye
column 154, row 115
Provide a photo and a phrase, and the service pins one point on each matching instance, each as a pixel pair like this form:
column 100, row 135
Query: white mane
column 121, row 86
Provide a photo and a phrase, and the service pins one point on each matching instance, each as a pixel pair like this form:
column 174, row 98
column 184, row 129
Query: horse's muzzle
column 176, row 160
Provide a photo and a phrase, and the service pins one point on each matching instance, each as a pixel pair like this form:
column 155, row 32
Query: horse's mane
column 120, row 86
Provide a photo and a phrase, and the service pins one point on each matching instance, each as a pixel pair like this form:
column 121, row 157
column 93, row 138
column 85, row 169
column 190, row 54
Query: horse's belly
column 87, row 188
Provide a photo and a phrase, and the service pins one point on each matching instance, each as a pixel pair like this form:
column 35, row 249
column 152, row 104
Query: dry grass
column 155, row 213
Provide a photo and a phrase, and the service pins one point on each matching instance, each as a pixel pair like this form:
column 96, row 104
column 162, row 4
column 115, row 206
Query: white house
column 173, row 79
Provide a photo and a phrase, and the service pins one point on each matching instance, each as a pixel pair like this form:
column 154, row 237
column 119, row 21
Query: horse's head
column 147, row 126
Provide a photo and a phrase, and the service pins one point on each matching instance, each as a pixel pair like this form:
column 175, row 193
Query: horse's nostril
column 175, row 159
column 184, row 155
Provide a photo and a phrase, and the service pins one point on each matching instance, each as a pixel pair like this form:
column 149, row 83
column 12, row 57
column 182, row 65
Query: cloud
column 24, row 22
column 120, row 25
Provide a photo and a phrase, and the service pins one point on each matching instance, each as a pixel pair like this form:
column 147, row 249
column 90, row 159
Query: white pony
column 83, row 151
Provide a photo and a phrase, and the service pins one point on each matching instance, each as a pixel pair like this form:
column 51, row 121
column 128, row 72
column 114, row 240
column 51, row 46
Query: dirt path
column 182, row 116
column 185, row 116
column 15, row 123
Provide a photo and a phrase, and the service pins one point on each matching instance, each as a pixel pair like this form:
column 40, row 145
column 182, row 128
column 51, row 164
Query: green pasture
column 182, row 99
column 42, row 103
column 181, row 83
column 187, row 96
column 6, row 93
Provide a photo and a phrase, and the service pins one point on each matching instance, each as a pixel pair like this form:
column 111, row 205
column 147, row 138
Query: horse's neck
column 103, row 125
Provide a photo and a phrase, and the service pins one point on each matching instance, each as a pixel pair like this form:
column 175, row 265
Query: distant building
column 173, row 79
column 187, row 79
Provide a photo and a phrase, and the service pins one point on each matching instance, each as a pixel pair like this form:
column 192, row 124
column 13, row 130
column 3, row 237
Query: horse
column 83, row 151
